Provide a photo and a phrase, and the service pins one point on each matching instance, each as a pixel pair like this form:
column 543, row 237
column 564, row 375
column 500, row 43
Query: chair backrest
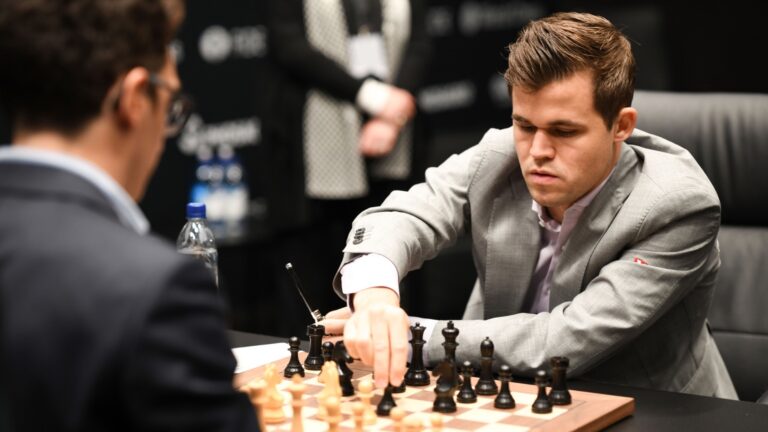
column 728, row 136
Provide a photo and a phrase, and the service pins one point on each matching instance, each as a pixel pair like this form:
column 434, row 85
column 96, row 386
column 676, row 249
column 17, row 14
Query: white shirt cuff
column 372, row 96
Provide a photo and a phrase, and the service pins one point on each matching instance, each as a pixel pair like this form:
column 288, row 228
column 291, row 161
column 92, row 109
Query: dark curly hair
column 58, row 58
column 556, row 46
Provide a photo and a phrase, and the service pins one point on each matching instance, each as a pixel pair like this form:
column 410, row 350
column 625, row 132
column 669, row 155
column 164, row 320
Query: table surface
column 655, row 410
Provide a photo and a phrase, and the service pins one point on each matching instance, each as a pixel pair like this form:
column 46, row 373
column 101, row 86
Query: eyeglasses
column 179, row 108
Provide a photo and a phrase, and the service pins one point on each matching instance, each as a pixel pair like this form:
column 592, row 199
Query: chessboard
column 587, row 412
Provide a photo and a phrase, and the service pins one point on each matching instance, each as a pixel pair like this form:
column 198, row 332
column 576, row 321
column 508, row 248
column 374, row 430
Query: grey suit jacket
column 639, row 322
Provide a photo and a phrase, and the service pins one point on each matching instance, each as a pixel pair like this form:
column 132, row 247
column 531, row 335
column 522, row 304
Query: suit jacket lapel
column 569, row 277
column 512, row 251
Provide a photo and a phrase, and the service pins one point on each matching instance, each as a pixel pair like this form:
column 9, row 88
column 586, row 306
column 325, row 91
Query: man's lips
column 541, row 176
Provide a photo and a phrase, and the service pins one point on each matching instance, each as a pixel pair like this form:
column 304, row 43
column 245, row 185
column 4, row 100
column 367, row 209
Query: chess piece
column 327, row 350
column 273, row 405
column 297, row 389
column 330, row 374
column 450, row 333
column 255, row 390
column 417, row 374
column 386, row 403
column 559, row 395
column 358, row 412
column 342, row 357
column 365, row 392
column 397, row 414
column 413, row 423
column 466, row 394
column 436, row 422
column 314, row 360
column 400, row 388
column 445, row 387
column 333, row 408
column 504, row 399
column 486, row 385
column 542, row 404
column 294, row 365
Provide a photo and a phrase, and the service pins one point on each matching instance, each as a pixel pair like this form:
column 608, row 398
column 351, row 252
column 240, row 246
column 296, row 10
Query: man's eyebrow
column 568, row 123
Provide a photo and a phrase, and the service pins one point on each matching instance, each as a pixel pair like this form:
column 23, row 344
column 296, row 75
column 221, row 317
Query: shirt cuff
column 372, row 96
column 368, row 271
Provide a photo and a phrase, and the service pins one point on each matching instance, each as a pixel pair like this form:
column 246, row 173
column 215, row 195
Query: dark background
column 222, row 51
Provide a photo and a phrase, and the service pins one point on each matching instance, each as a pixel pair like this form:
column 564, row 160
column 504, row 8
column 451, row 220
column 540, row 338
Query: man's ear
column 133, row 100
column 625, row 124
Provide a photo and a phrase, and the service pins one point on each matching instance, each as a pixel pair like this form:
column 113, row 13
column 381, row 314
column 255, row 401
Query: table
column 655, row 410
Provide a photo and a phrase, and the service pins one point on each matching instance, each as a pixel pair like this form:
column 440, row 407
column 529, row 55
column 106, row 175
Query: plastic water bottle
column 196, row 239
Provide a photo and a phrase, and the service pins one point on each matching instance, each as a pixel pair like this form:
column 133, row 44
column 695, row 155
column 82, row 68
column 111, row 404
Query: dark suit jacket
column 105, row 329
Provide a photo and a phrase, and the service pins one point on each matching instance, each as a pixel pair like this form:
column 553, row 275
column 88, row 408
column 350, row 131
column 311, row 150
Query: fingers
column 377, row 138
column 398, row 345
column 343, row 313
column 380, row 336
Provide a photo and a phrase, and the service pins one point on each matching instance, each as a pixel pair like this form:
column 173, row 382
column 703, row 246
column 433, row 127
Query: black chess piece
column 417, row 374
column 450, row 333
column 542, row 404
column 445, row 389
column 342, row 357
column 559, row 395
column 386, row 403
column 327, row 349
column 314, row 360
column 466, row 393
column 504, row 399
column 294, row 365
column 486, row 385
column 400, row 388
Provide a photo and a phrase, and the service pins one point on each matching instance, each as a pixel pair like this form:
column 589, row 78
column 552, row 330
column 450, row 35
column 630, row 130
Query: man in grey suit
column 104, row 327
column 591, row 239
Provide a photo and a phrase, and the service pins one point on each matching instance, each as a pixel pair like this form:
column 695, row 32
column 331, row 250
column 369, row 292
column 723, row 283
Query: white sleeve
column 372, row 96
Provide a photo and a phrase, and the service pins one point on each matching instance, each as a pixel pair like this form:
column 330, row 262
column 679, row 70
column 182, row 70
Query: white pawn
column 436, row 421
column 333, row 408
column 413, row 424
column 358, row 408
column 397, row 414
column 297, row 389
column 255, row 391
column 365, row 392
column 332, row 388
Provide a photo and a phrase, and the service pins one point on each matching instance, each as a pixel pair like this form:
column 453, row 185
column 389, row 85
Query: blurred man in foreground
column 105, row 327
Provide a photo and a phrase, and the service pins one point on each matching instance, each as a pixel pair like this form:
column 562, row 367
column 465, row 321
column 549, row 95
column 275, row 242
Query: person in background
column 105, row 327
column 340, row 133
column 592, row 240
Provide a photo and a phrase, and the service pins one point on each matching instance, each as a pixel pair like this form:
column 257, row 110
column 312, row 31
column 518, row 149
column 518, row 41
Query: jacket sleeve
column 413, row 67
column 291, row 51
column 180, row 371
column 676, row 238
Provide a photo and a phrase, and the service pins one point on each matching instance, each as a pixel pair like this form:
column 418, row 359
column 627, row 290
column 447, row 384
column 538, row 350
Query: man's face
column 563, row 145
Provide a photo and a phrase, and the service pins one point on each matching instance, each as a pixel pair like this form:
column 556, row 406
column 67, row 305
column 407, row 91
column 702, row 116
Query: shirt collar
column 552, row 225
column 127, row 211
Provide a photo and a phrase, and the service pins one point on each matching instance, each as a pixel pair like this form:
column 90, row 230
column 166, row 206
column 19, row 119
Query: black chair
column 728, row 136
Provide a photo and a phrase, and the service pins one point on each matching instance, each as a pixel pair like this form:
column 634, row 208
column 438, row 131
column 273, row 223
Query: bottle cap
column 195, row 210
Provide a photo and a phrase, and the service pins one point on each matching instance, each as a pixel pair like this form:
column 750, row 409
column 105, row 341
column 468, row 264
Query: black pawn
column 504, row 399
column 314, row 360
column 342, row 357
column 400, row 388
column 466, row 394
column 445, row 387
column 541, row 405
column 386, row 403
column 486, row 385
column 327, row 349
column 559, row 395
column 294, row 365
column 417, row 374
